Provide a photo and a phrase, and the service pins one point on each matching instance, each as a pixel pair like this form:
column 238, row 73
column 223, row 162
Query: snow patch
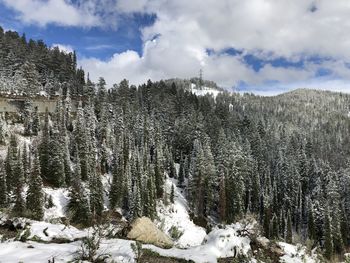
column 204, row 91
column 296, row 254
column 176, row 215
column 60, row 198
column 219, row 243
column 46, row 231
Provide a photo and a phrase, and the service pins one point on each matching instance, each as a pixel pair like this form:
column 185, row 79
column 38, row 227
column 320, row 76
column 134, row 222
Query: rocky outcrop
column 145, row 231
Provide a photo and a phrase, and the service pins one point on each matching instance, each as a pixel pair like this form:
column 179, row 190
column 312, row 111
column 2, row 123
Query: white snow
column 47, row 231
column 43, row 93
column 176, row 215
column 219, row 243
column 60, row 198
column 119, row 250
column 14, row 252
column 106, row 181
column 296, row 254
column 204, row 91
column 194, row 244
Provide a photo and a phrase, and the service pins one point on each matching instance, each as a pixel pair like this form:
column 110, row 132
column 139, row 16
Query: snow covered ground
column 296, row 254
column 193, row 244
column 176, row 215
column 47, row 231
column 60, row 199
column 204, row 91
column 32, row 252
column 13, row 252
column 219, row 243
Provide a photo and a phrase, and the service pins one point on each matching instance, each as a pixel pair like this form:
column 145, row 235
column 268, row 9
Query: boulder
column 145, row 231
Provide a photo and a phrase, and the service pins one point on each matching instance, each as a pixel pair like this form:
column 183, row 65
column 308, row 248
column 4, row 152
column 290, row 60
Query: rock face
column 145, row 231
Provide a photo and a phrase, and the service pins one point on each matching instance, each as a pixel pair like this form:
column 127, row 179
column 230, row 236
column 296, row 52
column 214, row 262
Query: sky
column 261, row 46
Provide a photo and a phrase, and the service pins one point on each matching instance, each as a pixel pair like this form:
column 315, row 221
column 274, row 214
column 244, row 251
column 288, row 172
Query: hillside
column 321, row 117
column 83, row 186
column 213, row 176
column 31, row 66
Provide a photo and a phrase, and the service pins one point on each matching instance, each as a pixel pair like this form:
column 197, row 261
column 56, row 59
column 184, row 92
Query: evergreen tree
column 136, row 208
column 181, row 173
column 344, row 228
column 328, row 243
column 78, row 204
column 27, row 116
column 12, row 163
column 3, row 187
column 35, row 122
column 96, row 191
column 266, row 221
column 222, row 198
column 338, row 245
column 82, row 140
column 19, row 207
column 209, row 172
column 172, row 194
column 2, row 130
column 159, row 172
column 116, row 191
column 275, row 227
column 44, row 148
column 311, row 228
column 26, row 162
column 289, row 233
column 35, row 194
column 56, row 161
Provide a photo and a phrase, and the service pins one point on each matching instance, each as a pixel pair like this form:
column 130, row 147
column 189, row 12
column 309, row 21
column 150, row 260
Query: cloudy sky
column 263, row 46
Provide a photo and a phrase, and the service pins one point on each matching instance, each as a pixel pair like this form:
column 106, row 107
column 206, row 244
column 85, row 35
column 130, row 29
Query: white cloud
column 64, row 48
column 59, row 12
column 99, row 47
column 266, row 28
column 335, row 85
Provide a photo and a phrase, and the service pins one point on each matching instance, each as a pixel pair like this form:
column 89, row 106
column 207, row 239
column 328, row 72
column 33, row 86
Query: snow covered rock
column 144, row 230
column 219, row 243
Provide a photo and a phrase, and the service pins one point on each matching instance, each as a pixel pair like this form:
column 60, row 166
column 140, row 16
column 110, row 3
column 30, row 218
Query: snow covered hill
column 192, row 242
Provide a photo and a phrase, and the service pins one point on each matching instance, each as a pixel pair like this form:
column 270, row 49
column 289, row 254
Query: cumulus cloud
column 176, row 44
column 59, row 12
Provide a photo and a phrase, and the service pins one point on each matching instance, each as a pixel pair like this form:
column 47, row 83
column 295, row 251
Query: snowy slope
column 204, row 91
column 60, row 198
column 176, row 215
column 193, row 244
column 196, row 245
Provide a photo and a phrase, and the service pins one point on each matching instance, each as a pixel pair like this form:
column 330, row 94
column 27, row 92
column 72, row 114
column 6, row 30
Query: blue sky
column 100, row 42
column 260, row 46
